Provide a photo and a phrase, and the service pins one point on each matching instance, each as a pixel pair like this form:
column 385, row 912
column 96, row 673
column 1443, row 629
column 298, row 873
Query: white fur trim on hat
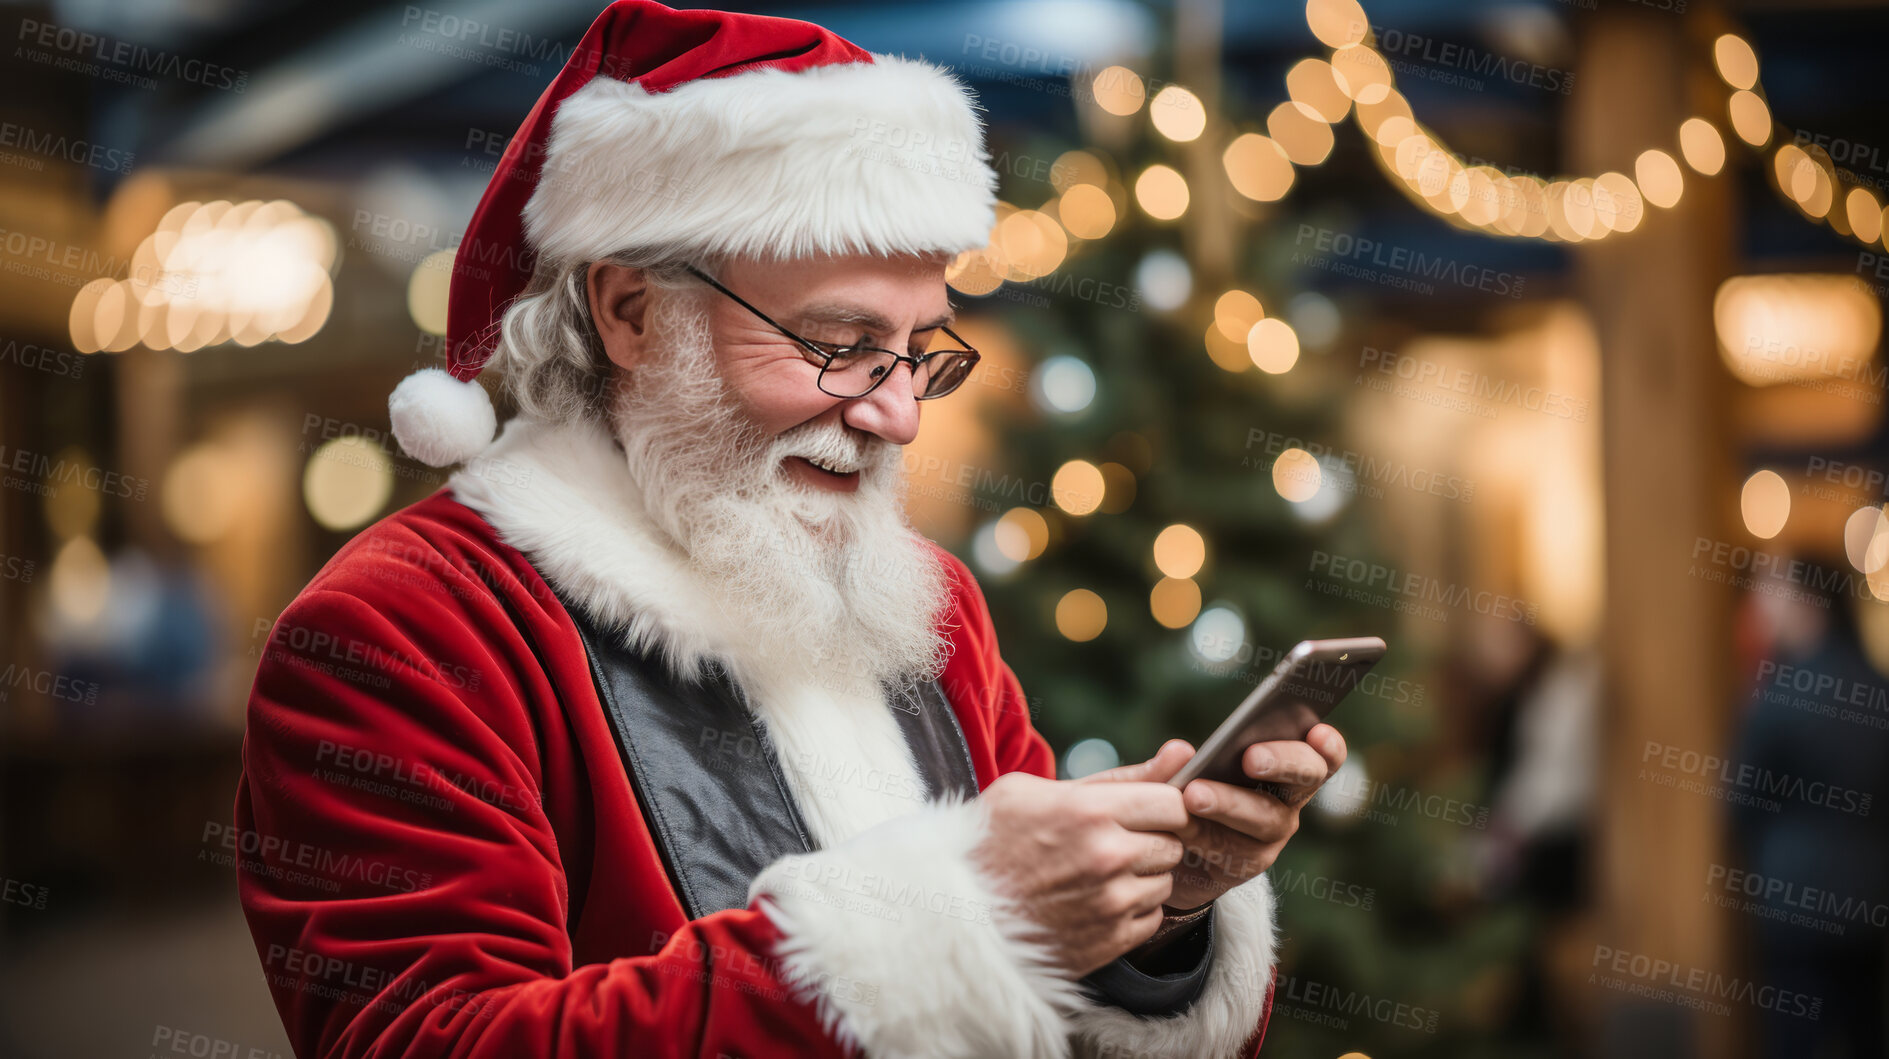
column 882, row 157
column 440, row 420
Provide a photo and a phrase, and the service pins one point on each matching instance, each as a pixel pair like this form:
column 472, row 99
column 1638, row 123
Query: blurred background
column 1539, row 338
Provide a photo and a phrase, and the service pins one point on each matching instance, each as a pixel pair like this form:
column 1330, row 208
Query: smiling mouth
column 822, row 474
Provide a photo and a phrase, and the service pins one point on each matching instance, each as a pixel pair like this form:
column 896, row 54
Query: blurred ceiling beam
column 358, row 70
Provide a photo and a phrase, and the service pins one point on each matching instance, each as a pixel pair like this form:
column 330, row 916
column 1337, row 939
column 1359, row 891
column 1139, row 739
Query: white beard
column 835, row 589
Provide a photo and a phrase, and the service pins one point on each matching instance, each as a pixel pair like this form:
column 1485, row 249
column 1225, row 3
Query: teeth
column 825, row 467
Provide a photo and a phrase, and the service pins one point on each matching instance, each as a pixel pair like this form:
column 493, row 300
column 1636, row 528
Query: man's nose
column 889, row 411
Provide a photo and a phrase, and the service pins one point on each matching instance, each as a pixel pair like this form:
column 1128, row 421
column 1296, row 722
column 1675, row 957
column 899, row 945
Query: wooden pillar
column 1669, row 480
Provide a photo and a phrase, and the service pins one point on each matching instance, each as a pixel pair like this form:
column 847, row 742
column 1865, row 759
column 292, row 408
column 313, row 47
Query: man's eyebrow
column 875, row 322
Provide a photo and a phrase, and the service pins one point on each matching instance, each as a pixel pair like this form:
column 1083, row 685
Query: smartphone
column 1306, row 685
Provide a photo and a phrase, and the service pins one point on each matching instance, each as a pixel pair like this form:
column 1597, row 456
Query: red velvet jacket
column 442, row 853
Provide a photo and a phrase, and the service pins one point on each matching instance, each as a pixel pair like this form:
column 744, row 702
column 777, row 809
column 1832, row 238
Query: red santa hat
column 710, row 133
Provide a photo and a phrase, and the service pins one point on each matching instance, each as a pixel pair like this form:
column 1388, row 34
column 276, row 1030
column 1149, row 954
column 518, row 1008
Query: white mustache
column 827, row 446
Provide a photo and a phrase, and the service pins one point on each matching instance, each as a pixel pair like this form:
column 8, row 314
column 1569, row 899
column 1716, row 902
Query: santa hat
column 710, row 133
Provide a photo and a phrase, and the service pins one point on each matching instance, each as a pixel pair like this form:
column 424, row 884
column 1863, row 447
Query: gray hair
column 548, row 349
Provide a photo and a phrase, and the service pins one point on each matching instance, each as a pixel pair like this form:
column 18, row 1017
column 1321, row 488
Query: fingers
column 1290, row 762
column 1160, row 852
column 1330, row 744
column 1140, row 806
column 1141, row 895
column 1157, row 769
column 1251, row 813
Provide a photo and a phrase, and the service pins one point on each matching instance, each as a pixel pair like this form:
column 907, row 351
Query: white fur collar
column 562, row 495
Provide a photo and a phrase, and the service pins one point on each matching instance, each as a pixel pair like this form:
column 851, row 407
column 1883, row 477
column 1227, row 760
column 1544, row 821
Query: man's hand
column 1234, row 833
column 1088, row 862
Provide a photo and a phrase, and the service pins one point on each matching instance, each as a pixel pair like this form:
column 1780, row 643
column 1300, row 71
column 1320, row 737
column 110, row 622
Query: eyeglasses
column 857, row 370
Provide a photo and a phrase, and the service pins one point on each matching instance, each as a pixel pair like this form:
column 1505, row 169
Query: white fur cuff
column 1228, row 1009
column 908, row 950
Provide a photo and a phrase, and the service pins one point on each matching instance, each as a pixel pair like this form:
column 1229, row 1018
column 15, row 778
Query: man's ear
column 619, row 304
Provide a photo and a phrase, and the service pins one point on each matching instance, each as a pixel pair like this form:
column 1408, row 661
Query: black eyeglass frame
column 827, row 357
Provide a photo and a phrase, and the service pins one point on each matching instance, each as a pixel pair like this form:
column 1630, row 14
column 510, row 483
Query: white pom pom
column 440, row 420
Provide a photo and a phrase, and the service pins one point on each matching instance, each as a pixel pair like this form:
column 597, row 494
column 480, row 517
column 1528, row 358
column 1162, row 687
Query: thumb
column 1158, row 769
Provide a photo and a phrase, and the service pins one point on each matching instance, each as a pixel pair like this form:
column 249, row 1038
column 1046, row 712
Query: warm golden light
column 1389, row 121
column 202, row 494
column 1180, row 551
column 427, row 289
column 1226, row 353
column 1074, row 168
column 1081, row 615
column 1781, row 327
column 973, row 272
column 1296, row 475
column 1337, row 23
column 1258, row 167
column 1864, row 213
column 1174, row 601
column 1033, row 244
column 1702, row 146
column 1119, row 91
column 80, row 581
column 1751, row 119
column 1086, row 211
column 82, row 319
column 1305, row 139
column 1273, row 345
column 1866, row 539
column 1178, row 114
column 1737, row 63
column 346, row 482
column 215, row 272
column 1022, row 534
column 1235, row 313
column 1765, row 503
column 1363, row 75
column 1077, row 487
column 1659, row 178
column 1617, row 203
column 1162, row 192
column 1314, row 84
